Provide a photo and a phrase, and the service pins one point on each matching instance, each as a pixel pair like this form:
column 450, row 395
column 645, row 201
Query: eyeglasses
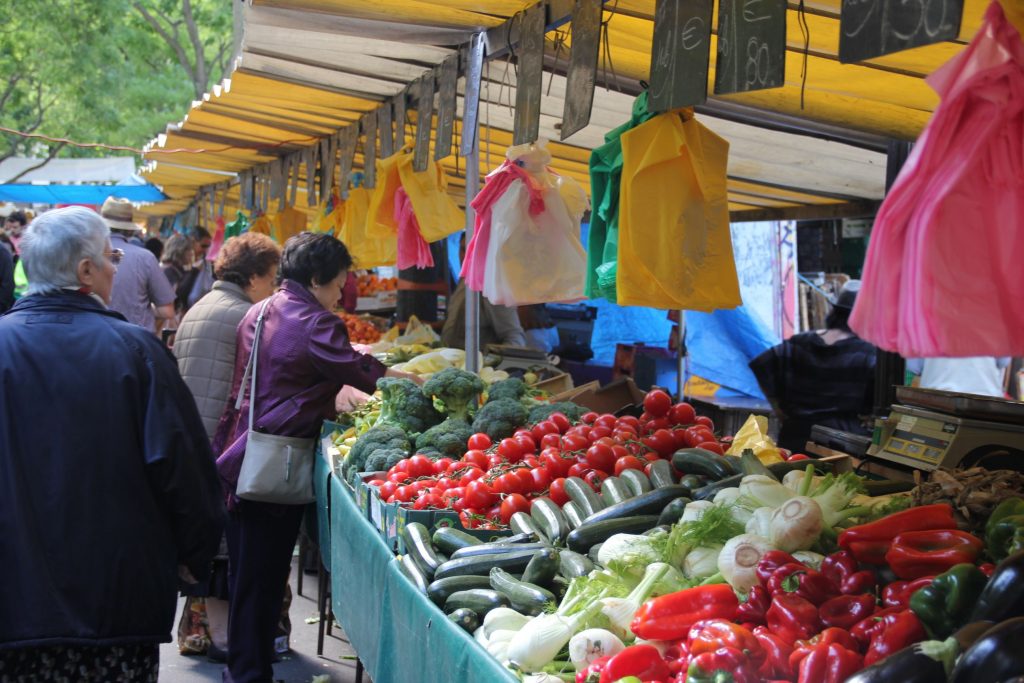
column 115, row 256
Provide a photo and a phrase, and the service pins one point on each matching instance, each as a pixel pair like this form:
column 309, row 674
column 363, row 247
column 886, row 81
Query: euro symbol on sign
column 693, row 33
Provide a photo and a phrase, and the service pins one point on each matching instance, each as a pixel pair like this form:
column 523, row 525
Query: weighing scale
column 929, row 429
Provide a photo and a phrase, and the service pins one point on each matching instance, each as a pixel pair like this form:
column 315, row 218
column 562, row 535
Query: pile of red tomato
column 491, row 482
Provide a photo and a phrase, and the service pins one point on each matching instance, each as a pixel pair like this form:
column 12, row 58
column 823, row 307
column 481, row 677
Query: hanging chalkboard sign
column 400, row 119
column 471, row 100
column 526, row 127
column 751, row 45
column 346, row 155
column 446, row 104
column 370, row 149
column 680, row 53
column 387, row 135
column 424, row 121
column 579, row 86
column 872, row 28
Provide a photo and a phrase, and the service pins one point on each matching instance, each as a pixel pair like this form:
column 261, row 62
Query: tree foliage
column 100, row 71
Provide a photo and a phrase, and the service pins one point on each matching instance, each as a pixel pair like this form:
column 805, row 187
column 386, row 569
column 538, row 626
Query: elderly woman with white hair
column 108, row 491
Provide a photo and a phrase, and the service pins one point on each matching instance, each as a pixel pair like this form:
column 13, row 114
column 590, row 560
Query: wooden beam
column 502, row 39
column 807, row 212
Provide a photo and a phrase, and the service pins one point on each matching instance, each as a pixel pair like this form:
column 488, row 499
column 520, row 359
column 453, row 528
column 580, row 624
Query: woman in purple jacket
column 304, row 359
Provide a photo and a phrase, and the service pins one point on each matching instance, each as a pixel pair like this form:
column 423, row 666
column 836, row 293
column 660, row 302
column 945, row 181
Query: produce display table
column 397, row 632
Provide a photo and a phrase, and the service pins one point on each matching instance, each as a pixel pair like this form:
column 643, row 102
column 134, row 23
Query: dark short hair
column 200, row 233
column 156, row 246
column 839, row 319
column 18, row 216
column 310, row 257
column 245, row 256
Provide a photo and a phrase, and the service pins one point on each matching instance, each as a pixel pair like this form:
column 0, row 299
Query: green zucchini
column 573, row 514
column 700, row 461
column 550, row 518
column 708, row 492
column 413, row 572
column 673, row 512
column 523, row 523
column 751, row 464
column 885, row 487
column 580, row 493
column 449, row 539
column 582, row 538
column 527, row 598
column 614, row 491
column 466, row 618
column 496, row 549
column 480, row 600
column 692, row 481
column 542, row 568
column 439, row 589
column 417, row 544
column 594, row 553
column 661, row 474
column 781, row 469
column 650, row 503
column 528, row 537
column 572, row 565
column 636, row 480
column 514, row 561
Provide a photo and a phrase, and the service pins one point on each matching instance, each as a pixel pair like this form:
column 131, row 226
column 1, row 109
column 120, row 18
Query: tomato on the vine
column 796, row 457
column 551, row 441
column 441, row 465
column 560, row 421
column 706, row 421
column 629, row 421
column 542, row 429
column 588, row 418
column 541, row 478
column 607, row 420
column 470, row 474
column 556, row 492
column 682, row 414
column 403, row 494
column 527, row 444
column 513, row 504
column 510, row 449
column 525, row 476
column 599, row 432
column 594, row 478
column 601, row 457
column 475, row 457
column 574, row 442
column 577, row 469
column 656, row 424
column 508, row 483
column 387, row 489
column 531, row 461
column 495, row 459
column 479, row 494
column 628, row 462
column 712, row 446
column 657, row 403
column 479, row 442
column 469, row 518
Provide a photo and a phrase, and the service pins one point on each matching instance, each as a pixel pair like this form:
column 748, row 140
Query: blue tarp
column 78, row 194
column 721, row 344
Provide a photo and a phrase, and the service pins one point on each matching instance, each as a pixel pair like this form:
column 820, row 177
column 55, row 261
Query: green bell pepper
column 945, row 605
column 1004, row 531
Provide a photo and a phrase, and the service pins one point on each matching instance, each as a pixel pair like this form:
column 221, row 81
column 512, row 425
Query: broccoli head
column 448, row 438
column 513, row 388
column 384, row 459
column 543, row 411
column 456, row 389
column 500, row 418
column 404, row 404
column 386, row 436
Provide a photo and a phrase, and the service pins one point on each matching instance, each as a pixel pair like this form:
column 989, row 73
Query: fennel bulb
column 796, row 525
column 695, row 510
column 700, row 563
column 763, row 491
column 760, row 522
column 594, row 643
column 620, row 611
column 538, row 642
column 738, row 560
column 628, row 553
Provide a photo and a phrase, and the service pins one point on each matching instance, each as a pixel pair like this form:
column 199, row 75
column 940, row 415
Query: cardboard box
column 558, row 384
column 612, row 397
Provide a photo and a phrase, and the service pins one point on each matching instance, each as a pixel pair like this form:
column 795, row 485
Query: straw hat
column 118, row 214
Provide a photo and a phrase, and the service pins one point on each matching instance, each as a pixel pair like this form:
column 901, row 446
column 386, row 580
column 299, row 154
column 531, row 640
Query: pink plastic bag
column 412, row 250
column 942, row 276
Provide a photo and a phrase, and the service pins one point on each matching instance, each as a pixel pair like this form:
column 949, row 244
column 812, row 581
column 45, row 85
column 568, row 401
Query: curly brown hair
column 245, row 256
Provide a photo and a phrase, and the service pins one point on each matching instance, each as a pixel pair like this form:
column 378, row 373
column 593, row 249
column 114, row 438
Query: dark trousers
column 261, row 538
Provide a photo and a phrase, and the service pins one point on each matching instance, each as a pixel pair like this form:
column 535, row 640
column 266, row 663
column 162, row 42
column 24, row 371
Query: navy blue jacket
column 107, row 481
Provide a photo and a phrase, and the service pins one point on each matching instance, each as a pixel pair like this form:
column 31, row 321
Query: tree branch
column 171, row 40
column 12, row 83
column 50, row 157
column 200, row 75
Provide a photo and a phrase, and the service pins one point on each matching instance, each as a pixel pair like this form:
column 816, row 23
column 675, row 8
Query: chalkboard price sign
column 680, row 54
column 526, row 127
column 872, row 28
column 751, row 45
column 447, row 103
column 386, row 132
column 579, row 85
column 424, row 122
column 471, row 100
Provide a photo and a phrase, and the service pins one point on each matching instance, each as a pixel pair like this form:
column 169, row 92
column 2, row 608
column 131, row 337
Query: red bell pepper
column 792, row 618
column 642, row 661
column 914, row 554
column 712, row 634
column 592, row 673
column 841, row 569
column 670, row 617
column 756, row 606
column 987, row 569
column 724, row 665
column 777, row 652
column 803, row 581
column 897, row 631
column 897, row 593
column 829, row 636
column 770, row 561
column 830, row 664
column 869, row 542
column 865, row 630
column 846, row 610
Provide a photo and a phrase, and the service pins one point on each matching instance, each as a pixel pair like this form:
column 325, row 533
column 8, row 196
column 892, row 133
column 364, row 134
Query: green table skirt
column 398, row 633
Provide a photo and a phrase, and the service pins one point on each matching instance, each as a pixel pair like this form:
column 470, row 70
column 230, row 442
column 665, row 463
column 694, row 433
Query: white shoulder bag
column 275, row 469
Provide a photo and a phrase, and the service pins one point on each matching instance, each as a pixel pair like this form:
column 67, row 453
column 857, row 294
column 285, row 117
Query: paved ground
column 299, row 666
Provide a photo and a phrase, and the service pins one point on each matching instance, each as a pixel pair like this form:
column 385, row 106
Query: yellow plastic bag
column 367, row 252
column 287, row 223
column 381, row 221
column 675, row 250
column 436, row 212
column 754, row 435
column 330, row 214
column 262, row 225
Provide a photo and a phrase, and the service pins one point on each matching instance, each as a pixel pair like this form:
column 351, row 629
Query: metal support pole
column 472, row 298
column 681, row 350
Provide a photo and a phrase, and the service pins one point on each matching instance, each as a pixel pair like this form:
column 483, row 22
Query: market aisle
column 298, row 666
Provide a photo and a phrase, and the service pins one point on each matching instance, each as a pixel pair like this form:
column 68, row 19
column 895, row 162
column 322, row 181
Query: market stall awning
column 78, row 194
column 310, row 67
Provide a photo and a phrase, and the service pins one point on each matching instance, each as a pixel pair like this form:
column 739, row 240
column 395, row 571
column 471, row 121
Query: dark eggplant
column 1003, row 597
column 914, row 664
column 995, row 657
